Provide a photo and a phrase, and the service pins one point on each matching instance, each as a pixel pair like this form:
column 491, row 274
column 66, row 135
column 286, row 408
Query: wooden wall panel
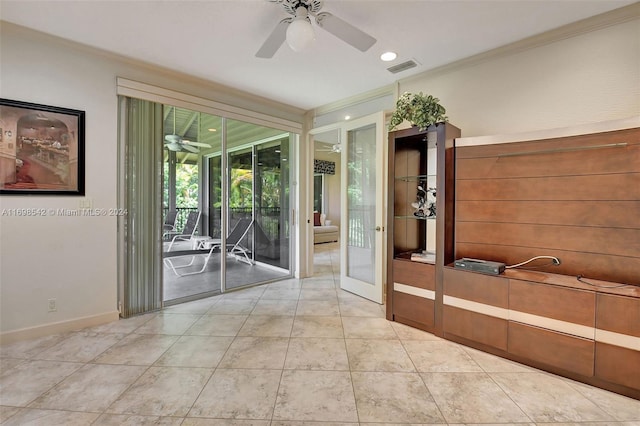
column 609, row 241
column 474, row 326
column 618, row 269
column 415, row 274
column 618, row 365
column 611, row 160
column 628, row 136
column 559, row 350
column 414, row 308
column 564, row 304
column 615, row 214
column 573, row 198
column 619, row 314
column 592, row 187
column 477, row 287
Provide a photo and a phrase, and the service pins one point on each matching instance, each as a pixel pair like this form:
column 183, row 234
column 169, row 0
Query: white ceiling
column 217, row 40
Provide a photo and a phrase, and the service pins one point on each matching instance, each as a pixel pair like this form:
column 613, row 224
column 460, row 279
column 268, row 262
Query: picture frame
column 43, row 149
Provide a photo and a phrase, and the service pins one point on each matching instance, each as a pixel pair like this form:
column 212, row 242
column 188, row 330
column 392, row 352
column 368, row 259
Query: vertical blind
column 142, row 186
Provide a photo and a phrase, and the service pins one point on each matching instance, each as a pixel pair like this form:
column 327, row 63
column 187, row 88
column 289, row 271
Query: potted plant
column 419, row 110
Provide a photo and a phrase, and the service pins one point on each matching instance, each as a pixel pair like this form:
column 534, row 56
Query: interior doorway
column 360, row 144
column 326, row 204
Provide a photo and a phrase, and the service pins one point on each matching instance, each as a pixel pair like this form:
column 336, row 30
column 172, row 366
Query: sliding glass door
column 236, row 176
column 258, row 198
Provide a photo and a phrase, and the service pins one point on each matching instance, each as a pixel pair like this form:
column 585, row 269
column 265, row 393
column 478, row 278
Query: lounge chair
column 170, row 221
column 169, row 255
column 187, row 232
column 233, row 244
column 234, row 240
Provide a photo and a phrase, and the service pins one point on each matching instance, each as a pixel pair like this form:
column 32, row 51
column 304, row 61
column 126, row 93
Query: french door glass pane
column 361, row 203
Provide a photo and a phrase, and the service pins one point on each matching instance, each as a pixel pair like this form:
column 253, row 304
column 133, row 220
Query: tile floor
column 297, row 352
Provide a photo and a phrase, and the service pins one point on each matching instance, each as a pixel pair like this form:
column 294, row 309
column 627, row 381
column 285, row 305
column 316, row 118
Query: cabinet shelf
column 414, row 217
column 408, row 255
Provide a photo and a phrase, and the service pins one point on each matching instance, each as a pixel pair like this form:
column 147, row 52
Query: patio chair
column 170, row 221
column 234, row 246
column 187, row 232
column 169, row 255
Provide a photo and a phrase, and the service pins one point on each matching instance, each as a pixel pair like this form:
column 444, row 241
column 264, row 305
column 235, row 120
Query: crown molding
column 355, row 99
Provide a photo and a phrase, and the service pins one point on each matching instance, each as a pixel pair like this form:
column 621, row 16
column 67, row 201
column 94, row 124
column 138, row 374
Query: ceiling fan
column 177, row 143
column 298, row 33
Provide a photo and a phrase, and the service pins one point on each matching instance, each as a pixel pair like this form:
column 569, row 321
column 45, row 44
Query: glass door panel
column 191, row 187
column 259, row 203
column 271, row 224
column 362, row 213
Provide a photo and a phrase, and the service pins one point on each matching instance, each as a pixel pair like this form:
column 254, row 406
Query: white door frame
column 371, row 292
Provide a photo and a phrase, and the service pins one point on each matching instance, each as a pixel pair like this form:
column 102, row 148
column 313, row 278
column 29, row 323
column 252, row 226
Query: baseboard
column 57, row 327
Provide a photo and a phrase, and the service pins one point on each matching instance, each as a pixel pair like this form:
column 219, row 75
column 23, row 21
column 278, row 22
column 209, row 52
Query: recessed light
column 347, row 117
column 388, row 56
column 212, row 130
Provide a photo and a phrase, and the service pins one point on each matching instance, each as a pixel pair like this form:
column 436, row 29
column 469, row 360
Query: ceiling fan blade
column 275, row 40
column 172, row 146
column 190, row 148
column 172, row 138
column 202, row 144
column 345, row 31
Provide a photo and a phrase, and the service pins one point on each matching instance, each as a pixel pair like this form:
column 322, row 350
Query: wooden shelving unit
column 425, row 159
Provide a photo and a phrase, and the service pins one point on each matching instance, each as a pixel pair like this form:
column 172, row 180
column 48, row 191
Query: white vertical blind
column 142, row 196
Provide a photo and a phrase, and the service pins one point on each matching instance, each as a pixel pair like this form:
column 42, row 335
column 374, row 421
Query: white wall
column 587, row 78
column 73, row 259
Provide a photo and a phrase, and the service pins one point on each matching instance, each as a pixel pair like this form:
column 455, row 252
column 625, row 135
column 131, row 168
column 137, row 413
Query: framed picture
column 42, row 151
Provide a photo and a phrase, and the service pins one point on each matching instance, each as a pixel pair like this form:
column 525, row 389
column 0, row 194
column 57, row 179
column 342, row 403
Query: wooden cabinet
column 414, row 293
column 516, row 199
column 549, row 321
column 567, row 306
column 552, row 325
column 420, row 223
column 618, row 340
column 547, row 347
column 476, row 307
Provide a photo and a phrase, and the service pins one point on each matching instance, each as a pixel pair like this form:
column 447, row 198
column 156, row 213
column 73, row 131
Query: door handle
column 378, row 228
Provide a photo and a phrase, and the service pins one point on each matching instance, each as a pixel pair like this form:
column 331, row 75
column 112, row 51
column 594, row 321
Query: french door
column 362, row 207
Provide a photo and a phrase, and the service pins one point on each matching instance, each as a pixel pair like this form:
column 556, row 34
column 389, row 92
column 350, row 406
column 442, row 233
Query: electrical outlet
column 52, row 305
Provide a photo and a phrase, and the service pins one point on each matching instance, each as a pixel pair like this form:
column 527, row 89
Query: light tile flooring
column 297, row 352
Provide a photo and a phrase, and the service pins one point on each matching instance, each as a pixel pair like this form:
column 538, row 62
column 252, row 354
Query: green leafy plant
column 419, row 110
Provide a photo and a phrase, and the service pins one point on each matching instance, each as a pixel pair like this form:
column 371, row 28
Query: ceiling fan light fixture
column 300, row 34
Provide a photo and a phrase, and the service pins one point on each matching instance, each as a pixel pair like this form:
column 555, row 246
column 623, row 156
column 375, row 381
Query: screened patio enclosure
column 235, row 174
